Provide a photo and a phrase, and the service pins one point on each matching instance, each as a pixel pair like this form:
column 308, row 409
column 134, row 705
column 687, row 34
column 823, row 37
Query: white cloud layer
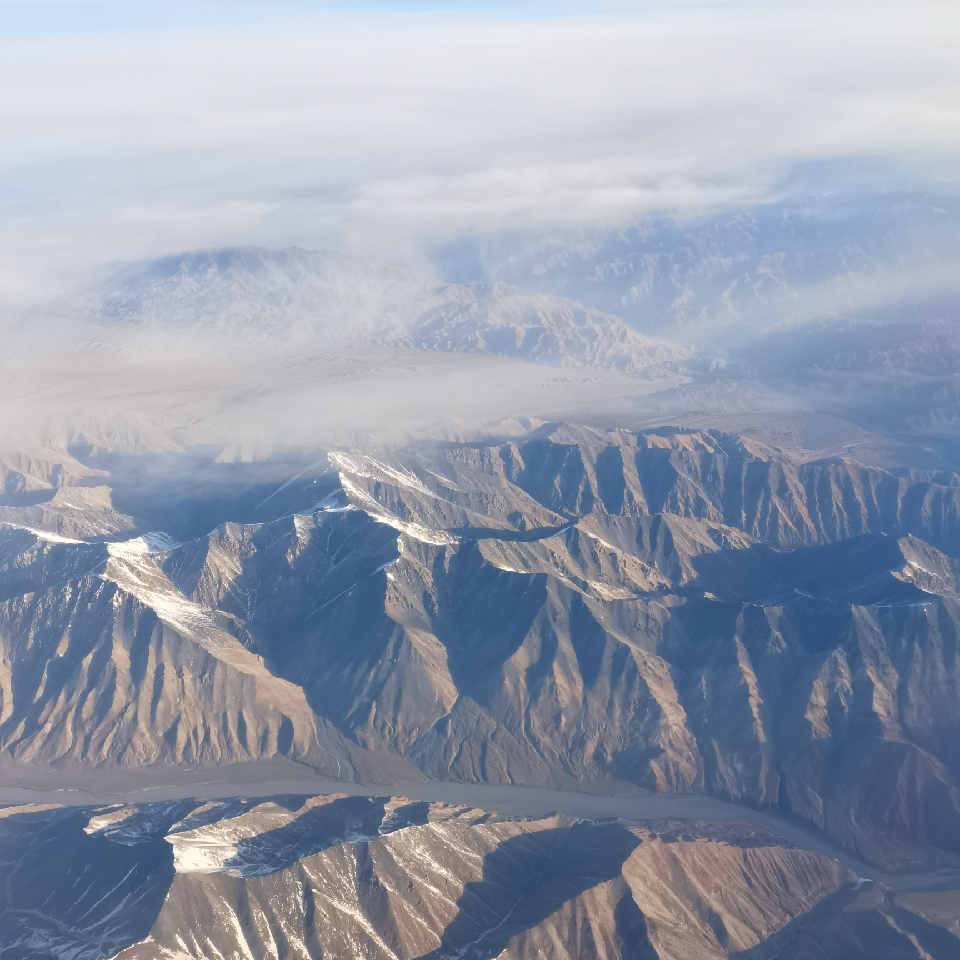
column 384, row 129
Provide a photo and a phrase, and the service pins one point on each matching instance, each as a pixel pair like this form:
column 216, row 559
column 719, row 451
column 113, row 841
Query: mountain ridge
column 684, row 612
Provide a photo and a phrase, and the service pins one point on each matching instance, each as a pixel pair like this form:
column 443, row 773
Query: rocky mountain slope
column 677, row 611
column 381, row 877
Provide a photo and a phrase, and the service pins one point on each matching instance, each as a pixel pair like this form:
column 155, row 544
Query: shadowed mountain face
column 685, row 612
column 389, row 878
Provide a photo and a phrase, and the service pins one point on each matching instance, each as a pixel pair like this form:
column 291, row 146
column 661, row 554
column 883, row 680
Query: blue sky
column 94, row 16
column 48, row 17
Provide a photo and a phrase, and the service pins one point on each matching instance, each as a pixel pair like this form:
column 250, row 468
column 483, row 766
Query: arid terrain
column 386, row 877
column 675, row 693
column 479, row 480
column 473, row 608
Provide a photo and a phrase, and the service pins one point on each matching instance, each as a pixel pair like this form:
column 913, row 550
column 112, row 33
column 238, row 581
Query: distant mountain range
column 813, row 256
column 296, row 293
column 851, row 305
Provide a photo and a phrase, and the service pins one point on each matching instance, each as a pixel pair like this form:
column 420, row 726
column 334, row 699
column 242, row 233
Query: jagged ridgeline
column 386, row 878
column 686, row 612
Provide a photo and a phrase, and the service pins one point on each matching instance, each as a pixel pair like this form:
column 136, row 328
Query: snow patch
column 156, row 541
column 41, row 534
column 194, row 853
column 105, row 820
column 375, row 511
column 375, row 470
